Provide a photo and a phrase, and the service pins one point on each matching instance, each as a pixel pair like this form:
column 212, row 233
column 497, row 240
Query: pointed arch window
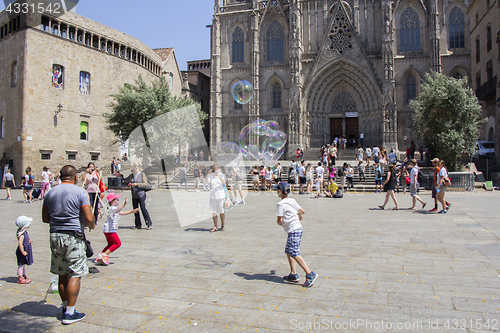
column 276, row 92
column 275, row 42
column 411, row 88
column 409, row 31
column 344, row 103
column 456, row 29
column 238, row 45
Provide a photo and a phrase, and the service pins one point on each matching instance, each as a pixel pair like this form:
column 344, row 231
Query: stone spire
column 389, row 83
column 436, row 41
column 297, row 121
column 216, row 86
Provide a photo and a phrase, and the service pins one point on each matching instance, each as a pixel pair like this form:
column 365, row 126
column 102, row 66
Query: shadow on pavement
column 29, row 317
column 260, row 276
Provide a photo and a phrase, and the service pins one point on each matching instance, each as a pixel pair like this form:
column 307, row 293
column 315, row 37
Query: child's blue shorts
column 293, row 242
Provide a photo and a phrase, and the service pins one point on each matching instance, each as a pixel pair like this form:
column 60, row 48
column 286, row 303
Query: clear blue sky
column 157, row 23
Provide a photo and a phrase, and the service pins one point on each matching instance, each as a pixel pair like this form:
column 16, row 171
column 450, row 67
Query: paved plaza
column 379, row 271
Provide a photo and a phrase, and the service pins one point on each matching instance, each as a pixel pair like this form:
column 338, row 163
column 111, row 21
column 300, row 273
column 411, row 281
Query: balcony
column 487, row 90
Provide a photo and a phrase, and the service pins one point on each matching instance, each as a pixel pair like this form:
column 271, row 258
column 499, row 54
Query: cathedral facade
column 328, row 68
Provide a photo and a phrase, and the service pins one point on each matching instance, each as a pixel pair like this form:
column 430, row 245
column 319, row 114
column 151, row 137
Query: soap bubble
column 262, row 141
column 242, row 91
column 227, row 152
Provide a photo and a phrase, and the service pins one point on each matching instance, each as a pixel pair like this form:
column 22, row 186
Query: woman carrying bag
column 91, row 180
column 138, row 184
column 390, row 185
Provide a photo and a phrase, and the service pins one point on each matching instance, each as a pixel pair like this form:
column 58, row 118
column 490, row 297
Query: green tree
column 135, row 104
column 447, row 117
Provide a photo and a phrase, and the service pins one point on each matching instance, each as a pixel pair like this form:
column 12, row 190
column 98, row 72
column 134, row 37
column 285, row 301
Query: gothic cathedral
column 327, row 68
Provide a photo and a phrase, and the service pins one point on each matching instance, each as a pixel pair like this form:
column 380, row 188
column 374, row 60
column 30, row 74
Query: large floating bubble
column 242, row 91
column 262, row 141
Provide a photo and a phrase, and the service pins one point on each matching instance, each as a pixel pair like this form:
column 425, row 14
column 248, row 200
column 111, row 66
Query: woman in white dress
column 217, row 195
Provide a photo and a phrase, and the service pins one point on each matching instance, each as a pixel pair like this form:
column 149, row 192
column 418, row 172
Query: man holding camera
column 67, row 209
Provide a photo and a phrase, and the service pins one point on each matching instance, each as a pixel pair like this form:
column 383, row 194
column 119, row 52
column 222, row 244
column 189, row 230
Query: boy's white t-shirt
column 375, row 151
column 319, row 173
column 288, row 208
column 413, row 175
column 111, row 223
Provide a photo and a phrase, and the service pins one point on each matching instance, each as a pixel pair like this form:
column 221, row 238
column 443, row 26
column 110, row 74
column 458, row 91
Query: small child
column 24, row 252
column 361, row 171
column 289, row 214
column 110, row 227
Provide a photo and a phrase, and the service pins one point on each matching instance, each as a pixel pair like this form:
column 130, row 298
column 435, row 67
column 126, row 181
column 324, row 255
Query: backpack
column 378, row 173
column 30, row 180
column 339, row 194
column 420, row 177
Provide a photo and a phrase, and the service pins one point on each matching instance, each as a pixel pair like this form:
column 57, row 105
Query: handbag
column 446, row 181
column 89, row 251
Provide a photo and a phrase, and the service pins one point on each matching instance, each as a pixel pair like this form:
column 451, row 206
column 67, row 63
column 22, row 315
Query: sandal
column 222, row 229
column 214, row 229
column 381, row 207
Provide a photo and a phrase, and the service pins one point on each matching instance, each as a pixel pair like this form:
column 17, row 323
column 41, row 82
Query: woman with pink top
column 91, row 185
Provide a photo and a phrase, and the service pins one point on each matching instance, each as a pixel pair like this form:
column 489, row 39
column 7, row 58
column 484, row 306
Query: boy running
column 289, row 214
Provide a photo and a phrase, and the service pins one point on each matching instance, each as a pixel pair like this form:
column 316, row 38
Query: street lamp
column 59, row 109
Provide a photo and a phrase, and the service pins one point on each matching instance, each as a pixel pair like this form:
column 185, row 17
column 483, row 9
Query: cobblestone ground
column 379, row 271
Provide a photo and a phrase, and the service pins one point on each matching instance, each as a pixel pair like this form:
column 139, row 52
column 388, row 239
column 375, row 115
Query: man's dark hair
column 67, row 172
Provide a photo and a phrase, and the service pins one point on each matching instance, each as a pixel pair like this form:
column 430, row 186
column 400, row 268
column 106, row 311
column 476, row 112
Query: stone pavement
column 411, row 271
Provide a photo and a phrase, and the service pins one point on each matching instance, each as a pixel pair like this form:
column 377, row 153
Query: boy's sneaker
column 70, row 319
column 310, row 278
column 291, row 278
column 433, row 210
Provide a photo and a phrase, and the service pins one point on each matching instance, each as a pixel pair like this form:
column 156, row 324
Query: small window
column 45, row 154
column 276, row 91
column 84, row 131
column 14, row 73
column 72, row 156
column 488, row 39
column 478, row 50
column 411, row 88
column 58, row 76
column 489, row 70
column 94, row 156
column 237, row 106
column 478, row 80
column 85, row 83
column 238, row 45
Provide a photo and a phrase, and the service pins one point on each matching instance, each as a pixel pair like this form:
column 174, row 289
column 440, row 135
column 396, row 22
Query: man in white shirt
column 302, row 178
column 414, row 185
column 320, row 171
column 376, row 156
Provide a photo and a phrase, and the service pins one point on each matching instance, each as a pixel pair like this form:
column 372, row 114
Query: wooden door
column 335, row 128
column 352, row 129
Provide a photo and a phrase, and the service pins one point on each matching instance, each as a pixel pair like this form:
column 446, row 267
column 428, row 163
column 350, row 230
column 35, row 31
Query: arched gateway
column 343, row 100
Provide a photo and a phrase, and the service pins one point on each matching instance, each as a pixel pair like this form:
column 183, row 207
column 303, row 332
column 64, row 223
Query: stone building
column 196, row 85
column 485, row 46
column 327, row 68
column 56, row 75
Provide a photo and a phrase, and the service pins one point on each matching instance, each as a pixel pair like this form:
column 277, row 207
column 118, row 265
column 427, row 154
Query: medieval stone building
column 56, row 77
column 327, row 68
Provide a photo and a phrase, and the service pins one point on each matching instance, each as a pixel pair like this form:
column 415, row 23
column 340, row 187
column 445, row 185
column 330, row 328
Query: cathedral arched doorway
column 343, row 100
column 344, row 118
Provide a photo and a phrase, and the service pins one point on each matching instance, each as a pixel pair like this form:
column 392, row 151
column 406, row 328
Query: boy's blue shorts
column 293, row 242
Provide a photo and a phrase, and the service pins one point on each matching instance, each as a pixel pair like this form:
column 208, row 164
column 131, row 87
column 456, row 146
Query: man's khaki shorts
column 68, row 255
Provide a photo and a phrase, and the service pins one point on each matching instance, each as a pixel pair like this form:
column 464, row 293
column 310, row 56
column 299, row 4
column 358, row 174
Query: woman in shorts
column 8, row 182
column 309, row 178
column 217, row 195
column 255, row 178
